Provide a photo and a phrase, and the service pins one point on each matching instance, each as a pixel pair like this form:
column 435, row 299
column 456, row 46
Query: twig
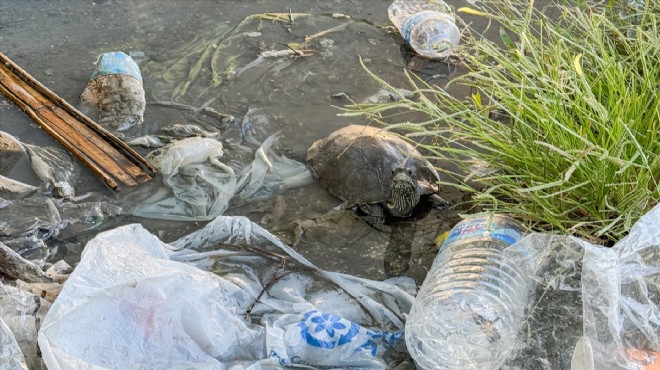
column 270, row 284
column 292, row 49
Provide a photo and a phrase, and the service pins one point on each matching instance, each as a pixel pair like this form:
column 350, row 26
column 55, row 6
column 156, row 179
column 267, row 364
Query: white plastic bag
column 129, row 304
column 199, row 187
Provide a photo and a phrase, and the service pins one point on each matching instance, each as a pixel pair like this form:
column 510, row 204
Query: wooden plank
column 80, row 155
column 74, row 141
column 132, row 154
column 105, row 154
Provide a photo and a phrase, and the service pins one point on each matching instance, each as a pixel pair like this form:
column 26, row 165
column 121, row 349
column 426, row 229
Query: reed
column 561, row 128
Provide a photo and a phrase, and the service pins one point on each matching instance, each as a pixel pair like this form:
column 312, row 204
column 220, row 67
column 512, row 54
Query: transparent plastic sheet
column 55, row 167
column 553, row 321
column 605, row 299
column 133, row 302
column 12, row 189
column 621, row 291
column 270, row 173
column 37, row 216
column 10, row 352
column 44, row 217
column 21, row 314
column 199, row 187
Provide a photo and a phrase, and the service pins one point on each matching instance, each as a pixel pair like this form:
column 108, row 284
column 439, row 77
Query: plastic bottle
column 428, row 27
column 469, row 308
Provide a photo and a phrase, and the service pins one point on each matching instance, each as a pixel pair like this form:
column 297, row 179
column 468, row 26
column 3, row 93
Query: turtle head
column 404, row 194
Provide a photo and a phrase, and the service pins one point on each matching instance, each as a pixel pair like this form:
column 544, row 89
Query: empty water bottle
column 427, row 26
column 470, row 306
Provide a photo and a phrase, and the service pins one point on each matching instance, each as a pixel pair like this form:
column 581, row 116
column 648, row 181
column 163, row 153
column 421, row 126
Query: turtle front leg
column 374, row 215
column 438, row 202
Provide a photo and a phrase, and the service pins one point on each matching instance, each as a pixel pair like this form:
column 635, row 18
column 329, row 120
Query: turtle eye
column 410, row 172
column 393, row 171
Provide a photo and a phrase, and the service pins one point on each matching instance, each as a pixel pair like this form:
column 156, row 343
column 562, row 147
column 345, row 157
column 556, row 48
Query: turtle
column 375, row 170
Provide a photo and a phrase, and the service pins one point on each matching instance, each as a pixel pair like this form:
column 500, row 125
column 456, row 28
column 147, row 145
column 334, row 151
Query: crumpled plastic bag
column 56, row 169
column 593, row 307
column 131, row 303
column 621, row 295
column 20, row 316
column 10, row 352
column 199, row 187
column 271, row 174
column 26, row 223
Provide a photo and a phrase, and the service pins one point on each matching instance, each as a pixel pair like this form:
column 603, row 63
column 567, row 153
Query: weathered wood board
column 106, row 155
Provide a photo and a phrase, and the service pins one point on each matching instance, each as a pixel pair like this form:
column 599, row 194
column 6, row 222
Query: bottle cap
column 116, row 63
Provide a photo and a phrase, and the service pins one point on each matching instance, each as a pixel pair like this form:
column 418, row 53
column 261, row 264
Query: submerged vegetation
column 561, row 128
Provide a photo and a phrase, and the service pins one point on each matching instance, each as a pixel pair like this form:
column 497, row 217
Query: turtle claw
column 373, row 215
column 439, row 203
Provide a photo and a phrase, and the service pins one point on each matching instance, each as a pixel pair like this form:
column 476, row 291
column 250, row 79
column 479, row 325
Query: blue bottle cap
column 116, row 63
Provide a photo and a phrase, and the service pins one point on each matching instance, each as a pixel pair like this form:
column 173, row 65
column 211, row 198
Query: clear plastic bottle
column 427, row 26
column 470, row 306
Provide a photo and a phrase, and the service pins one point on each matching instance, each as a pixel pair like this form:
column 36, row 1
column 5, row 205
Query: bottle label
column 411, row 22
column 497, row 227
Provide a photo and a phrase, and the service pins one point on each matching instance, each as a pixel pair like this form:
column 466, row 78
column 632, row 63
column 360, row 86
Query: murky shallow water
column 58, row 43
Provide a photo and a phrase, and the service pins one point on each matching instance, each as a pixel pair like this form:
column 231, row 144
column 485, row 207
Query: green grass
column 579, row 151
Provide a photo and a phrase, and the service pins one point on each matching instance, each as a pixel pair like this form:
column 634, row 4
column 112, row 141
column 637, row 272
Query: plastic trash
column 36, row 216
column 14, row 266
column 11, row 150
column 115, row 89
column 200, row 187
column 620, row 290
column 428, row 27
column 21, row 314
column 55, row 167
column 12, row 357
column 136, row 302
column 270, row 174
column 12, row 189
column 469, row 308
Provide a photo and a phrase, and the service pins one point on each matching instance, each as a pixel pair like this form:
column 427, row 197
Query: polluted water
column 234, row 96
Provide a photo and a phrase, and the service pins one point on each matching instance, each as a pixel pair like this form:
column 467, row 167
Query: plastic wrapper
column 40, row 218
column 199, row 187
column 621, row 291
column 11, row 150
column 37, row 216
column 55, row 168
column 133, row 302
column 10, row 352
column 20, row 316
column 271, row 174
column 593, row 307
column 12, row 189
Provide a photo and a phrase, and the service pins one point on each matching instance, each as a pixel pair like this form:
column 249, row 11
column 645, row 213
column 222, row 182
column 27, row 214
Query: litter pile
column 231, row 294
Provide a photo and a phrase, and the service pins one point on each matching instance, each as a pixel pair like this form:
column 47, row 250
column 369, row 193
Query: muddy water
column 58, row 43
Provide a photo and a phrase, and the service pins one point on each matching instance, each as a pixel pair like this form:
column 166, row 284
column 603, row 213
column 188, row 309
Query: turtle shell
column 355, row 163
